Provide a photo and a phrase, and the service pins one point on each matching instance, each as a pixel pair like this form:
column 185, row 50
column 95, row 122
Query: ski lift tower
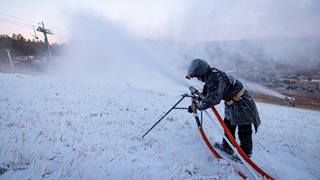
column 45, row 31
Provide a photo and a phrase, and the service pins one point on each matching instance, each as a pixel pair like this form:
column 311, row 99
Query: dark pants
column 244, row 134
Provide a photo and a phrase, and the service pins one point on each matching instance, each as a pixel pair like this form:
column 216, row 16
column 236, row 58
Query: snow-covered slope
column 56, row 129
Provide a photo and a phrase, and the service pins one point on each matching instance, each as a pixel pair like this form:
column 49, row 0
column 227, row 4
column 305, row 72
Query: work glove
column 191, row 109
column 203, row 104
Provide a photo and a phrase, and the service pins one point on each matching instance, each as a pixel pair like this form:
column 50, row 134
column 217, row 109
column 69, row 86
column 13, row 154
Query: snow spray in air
column 111, row 52
column 264, row 90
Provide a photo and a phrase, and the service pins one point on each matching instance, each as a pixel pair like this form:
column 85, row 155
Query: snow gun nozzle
column 195, row 94
column 193, row 91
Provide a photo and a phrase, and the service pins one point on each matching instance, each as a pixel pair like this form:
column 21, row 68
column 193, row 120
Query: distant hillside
column 249, row 57
column 266, row 53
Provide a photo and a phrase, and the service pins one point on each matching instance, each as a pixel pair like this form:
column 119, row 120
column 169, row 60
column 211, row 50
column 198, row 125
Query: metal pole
column 180, row 108
column 163, row 117
column 201, row 118
column 46, row 41
column 8, row 52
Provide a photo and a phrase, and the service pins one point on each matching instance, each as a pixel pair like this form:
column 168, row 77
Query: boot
column 237, row 159
column 224, row 148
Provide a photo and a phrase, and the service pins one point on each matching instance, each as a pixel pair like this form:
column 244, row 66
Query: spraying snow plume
column 105, row 49
column 264, row 90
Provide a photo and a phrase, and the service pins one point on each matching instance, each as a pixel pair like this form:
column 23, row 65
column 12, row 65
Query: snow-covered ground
column 55, row 129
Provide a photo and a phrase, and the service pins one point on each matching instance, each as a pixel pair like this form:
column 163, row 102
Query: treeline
column 22, row 48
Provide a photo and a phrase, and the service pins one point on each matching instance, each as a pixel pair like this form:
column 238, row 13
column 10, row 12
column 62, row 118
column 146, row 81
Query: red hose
column 214, row 152
column 234, row 143
column 204, row 137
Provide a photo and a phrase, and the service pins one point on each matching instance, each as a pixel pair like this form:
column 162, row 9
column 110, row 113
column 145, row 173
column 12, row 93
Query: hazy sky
column 190, row 20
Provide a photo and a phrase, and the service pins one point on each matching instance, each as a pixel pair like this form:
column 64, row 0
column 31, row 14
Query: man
column 240, row 108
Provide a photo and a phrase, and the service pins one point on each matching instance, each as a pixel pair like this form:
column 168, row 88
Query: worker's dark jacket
column 220, row 86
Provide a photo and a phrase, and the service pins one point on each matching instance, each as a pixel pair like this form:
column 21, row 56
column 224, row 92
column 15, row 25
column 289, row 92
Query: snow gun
column 195, row 95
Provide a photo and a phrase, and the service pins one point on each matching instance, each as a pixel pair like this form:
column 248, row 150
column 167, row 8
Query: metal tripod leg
column 201, row 118
column 173, row 107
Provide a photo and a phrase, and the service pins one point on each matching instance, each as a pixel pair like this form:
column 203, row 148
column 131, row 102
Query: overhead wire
column 15, row 24
column 26, row 23
column 16, row 17
column 28, row 20
column 15, row 21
